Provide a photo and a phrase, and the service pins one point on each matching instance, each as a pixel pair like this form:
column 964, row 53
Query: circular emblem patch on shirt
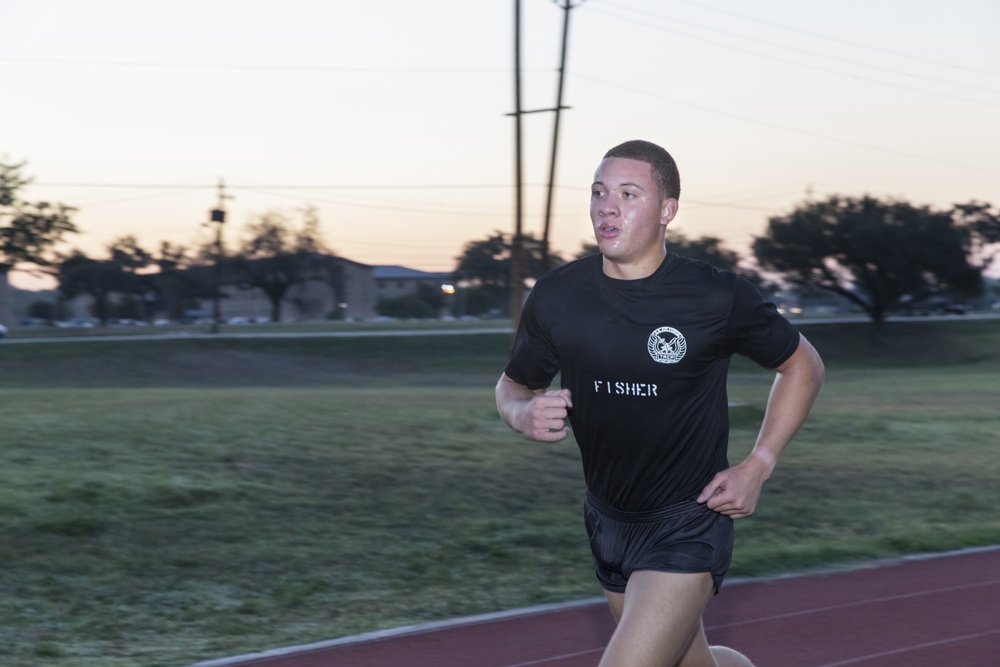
column 667, row 345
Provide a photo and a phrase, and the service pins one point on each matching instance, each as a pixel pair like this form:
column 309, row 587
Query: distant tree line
column 274, row 255
column 875, row 254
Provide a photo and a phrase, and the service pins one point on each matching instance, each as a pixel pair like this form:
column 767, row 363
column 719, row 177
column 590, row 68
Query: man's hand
column 544, row 416
column 536, row 415
column 735, row 491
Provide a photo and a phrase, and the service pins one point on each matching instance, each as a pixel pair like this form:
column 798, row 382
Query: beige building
column 316, row 299
column 359, row 287
column 363, row 286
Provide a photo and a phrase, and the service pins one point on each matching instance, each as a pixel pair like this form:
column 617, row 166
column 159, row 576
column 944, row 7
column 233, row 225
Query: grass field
column 164, row 502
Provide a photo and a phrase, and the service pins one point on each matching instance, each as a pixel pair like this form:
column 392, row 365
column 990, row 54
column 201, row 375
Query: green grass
column 163, row 502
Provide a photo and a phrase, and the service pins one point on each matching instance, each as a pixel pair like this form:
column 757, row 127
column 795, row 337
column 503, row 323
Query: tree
column 118, row 276
column 486, row 264
column 708, row 249
column 427, row 302
column 983, row 225
column 276, row 255
column 180, row 285
column 128, row 254
column 28, row 231
column 99, row 279
column 138, row 292
column 873, row 253
column 42, row 310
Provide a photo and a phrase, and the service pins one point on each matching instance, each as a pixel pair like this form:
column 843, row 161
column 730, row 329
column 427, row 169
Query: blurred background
column 387, row 132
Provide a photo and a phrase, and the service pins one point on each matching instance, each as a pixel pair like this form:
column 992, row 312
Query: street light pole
column 217, row 216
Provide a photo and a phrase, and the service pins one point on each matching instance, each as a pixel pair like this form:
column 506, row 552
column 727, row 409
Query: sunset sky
column 390, row 117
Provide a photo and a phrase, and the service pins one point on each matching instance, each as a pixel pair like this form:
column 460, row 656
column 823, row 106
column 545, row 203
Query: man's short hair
column 665, row 173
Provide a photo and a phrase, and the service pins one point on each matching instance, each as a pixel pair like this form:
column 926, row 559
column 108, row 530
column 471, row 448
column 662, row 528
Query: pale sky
column 390, row 117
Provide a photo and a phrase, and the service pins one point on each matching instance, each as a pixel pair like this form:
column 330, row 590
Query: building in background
column 352, row 294
column 344, row 289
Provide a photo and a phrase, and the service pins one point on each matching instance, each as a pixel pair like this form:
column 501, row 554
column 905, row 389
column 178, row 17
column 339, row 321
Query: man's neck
column 642, row 268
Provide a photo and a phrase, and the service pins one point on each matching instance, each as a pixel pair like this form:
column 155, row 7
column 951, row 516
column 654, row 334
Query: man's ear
column 668, row 210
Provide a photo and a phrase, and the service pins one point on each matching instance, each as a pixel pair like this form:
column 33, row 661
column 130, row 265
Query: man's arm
column 537, row 415
column 735, row 491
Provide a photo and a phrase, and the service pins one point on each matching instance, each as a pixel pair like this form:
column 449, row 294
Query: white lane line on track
column 908, row 649
column 553, row 658
column 392, row 633
column 856, row 603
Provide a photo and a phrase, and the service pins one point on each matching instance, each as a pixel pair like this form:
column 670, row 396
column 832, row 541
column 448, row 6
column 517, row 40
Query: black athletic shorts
column 686, row 537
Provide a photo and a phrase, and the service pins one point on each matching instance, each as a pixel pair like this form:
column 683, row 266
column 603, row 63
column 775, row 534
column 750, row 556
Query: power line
column 868, row 65
column 811, row 33
column 125, row 200
column 177, row 186
column 785, row 128
column 172, row 189
column 383, row 207
column 796, row 63
column 366, row 204
column 257, row 68
column 276, row 190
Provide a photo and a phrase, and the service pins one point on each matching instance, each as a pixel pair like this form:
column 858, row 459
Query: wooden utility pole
column 555, row 137
column 517, row 242
column 217, row 216
column 517, row 269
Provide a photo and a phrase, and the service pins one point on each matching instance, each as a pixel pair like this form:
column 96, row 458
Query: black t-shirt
column 646, row 363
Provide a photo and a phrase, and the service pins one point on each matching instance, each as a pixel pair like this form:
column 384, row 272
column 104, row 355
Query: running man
column 642, row 339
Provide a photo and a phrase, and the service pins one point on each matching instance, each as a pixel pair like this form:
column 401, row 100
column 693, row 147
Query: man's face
column 628, row 213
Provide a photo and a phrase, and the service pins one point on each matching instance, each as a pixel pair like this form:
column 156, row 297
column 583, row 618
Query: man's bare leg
column 723, row 656
column 659, row 621
column 659, row 624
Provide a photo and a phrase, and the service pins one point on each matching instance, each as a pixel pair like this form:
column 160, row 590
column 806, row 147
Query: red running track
column 939, row 611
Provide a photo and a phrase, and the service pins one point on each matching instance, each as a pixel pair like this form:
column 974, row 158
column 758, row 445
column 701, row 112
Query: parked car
column 3, row 331
column 934, row 305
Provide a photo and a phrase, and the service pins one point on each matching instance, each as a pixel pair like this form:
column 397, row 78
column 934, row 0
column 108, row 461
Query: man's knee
column 727, row 657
